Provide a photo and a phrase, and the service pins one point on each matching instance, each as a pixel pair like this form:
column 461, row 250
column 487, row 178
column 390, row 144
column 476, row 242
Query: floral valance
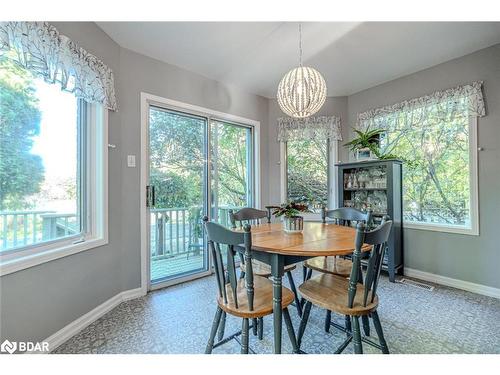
column 38, row 47
column 457, row 101
column 319, row 127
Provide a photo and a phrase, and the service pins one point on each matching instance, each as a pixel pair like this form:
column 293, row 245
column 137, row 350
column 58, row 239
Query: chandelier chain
column 300, row 44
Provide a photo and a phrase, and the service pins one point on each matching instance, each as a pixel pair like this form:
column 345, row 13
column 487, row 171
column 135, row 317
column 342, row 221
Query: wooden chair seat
column 263, row 269
column 331, row 265
column 263, row 299
column 331, row 292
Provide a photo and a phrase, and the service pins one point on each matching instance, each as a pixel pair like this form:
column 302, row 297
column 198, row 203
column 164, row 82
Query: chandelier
column 302, row 91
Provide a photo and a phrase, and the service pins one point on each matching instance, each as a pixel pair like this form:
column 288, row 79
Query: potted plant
column 290, row 212
column 367, row 145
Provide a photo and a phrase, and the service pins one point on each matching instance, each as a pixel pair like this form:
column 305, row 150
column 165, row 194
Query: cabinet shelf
column 365, row 189
column 386, row 173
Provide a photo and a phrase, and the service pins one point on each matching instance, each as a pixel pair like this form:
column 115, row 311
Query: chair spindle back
column 219, row 235
column 345, row 215
column 378, row 238
column 248, row 215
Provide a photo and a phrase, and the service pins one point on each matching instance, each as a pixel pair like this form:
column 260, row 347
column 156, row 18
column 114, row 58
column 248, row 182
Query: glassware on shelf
column 350, row 181
column 360, row 200
column 378, row 177
column 380, row 202
column 364, row 178
column 367, row 188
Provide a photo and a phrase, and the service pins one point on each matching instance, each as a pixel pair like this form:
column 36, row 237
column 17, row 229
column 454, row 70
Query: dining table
column 277, row 248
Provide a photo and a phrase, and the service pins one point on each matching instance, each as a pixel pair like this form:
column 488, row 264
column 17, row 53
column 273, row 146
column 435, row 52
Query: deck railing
column 22, row 228
column 173, row 230
column 176, row 231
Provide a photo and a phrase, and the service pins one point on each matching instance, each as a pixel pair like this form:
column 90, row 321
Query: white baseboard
column 454, row 283
column 79, row 324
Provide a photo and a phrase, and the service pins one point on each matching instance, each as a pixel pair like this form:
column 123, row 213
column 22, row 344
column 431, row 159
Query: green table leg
column 277, row 269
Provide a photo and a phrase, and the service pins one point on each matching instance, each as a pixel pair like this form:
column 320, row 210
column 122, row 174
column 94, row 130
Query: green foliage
column 177, row 161
column 436, row 169
column 177, row 165
column 172, row 190
column 369, row 139
column 307, row 169
column 21, row 173
column 290, row 209
column 364, row 139
column 230, row 156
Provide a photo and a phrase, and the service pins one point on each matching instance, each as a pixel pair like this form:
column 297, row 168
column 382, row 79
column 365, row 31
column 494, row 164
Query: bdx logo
column 24, row 346
column 8, row 347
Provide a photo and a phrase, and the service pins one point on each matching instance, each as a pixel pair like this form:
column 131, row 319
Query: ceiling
column 352, row 56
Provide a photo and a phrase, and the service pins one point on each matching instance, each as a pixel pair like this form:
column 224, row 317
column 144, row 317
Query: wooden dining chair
column 249, row 215
column 337, row 265
column 347, row 296
column 250, row 297
column 334, row 265
column 252, row 215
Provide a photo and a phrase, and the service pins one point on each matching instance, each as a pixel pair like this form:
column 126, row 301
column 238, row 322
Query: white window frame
column 96, row 200
column 473, row 189
column 333, row 157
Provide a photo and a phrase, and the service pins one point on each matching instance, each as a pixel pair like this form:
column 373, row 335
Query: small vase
column 294, row 224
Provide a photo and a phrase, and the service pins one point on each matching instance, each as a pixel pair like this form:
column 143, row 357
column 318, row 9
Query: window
column 440, row 170
column 232, row 165
column 308, row 172
column 309, row 149
column 52, row 166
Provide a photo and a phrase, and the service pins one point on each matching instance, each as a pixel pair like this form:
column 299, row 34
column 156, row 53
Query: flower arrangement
column 290, row 209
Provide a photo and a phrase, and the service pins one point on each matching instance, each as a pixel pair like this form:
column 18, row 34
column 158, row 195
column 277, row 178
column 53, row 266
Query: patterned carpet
column 178, row 320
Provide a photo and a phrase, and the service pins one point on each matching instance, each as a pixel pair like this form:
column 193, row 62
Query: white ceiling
column 352, row 56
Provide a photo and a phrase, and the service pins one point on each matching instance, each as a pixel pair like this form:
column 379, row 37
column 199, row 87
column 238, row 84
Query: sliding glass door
column 195, row 163
column 231, row 169
column 177, row 193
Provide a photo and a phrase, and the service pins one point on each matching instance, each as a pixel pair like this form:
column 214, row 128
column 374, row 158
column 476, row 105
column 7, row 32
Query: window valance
column 440, row 104
column 40, row 48
column 318, row 127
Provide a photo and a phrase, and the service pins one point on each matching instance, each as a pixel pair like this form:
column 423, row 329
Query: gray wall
column 468, row 258
column 38, row 301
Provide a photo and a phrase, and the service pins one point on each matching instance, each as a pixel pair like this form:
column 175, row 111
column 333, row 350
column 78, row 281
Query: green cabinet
column 376, row 185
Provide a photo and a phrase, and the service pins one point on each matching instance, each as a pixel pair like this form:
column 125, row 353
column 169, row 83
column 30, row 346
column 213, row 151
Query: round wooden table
column 279, row 249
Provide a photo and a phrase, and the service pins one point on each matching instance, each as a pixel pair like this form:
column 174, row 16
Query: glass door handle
column 150, row 196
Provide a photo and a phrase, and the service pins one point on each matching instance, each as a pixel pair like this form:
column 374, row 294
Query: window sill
column 311, row 216
column 21, row 263
column 441, row 228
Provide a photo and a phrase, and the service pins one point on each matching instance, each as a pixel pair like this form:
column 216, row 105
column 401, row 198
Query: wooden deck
column 168, row 267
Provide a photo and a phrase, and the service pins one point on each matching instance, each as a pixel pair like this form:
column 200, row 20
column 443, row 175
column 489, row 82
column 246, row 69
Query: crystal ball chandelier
column 302, row 91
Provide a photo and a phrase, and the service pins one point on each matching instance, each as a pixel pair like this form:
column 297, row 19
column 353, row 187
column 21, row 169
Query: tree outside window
column 436, row 173
column 307, row 172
